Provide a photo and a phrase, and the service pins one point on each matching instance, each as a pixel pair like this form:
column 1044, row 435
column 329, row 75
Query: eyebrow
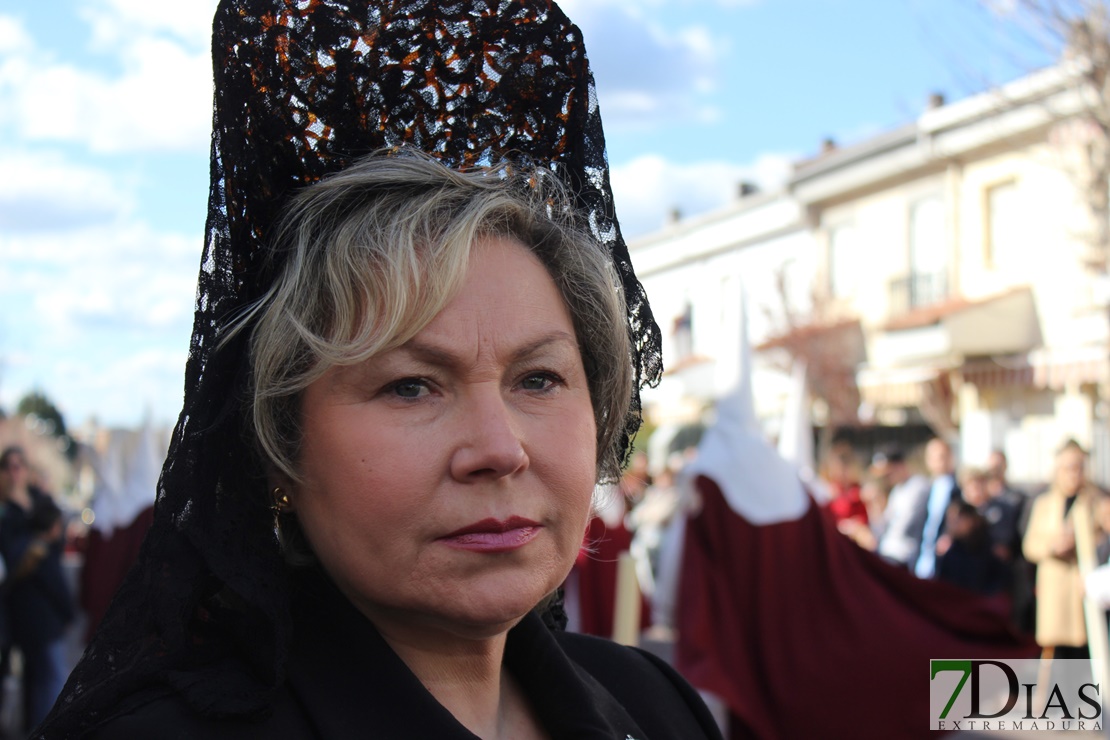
column 438, row 356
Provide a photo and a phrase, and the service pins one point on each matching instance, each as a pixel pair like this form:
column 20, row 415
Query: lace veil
column 303, row 88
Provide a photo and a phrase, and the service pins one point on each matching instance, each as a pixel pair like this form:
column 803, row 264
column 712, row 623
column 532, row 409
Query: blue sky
column 105, row 113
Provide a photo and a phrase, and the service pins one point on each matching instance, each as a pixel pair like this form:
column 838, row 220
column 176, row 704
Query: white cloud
column 99, row 319
column 126, row 302
column 164, row 103
column 13, row 36
column 45, row 193
column 114, row 20
column 120, row 390
column 648, row 188
column 154, row 94
column 128, row 280
column 1001, row 7
column 647, row 73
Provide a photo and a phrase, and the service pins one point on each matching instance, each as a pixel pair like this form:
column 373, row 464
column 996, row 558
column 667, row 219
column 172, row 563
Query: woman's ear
column 281, row 493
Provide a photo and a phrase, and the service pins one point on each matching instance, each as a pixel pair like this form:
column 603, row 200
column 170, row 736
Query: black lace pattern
column 302, row 89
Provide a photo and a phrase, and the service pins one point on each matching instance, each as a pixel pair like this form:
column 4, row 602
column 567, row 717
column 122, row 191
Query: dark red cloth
column 107, row 560
column 804, row 634
column 846, row 503
column 597, row 578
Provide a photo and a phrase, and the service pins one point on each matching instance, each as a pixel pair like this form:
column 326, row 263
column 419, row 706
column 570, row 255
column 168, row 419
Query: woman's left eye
column 539, row 381
column 409, row 388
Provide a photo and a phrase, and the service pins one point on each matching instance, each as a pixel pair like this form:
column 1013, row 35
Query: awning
column 1049, row 369
column 1004, row 372
column 930, row 390
column 895, row 387
column 1004, row 324
column 1064, row 369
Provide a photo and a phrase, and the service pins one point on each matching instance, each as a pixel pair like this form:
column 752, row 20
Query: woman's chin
column 494, row 612
column 496, row 605
column 502, row 596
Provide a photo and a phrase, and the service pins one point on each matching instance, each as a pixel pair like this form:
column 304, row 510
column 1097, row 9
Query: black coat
column 39, row 603
column 345, row 682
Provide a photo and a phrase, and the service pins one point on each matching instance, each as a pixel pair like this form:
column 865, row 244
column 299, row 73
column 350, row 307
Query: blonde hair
column 370, row 255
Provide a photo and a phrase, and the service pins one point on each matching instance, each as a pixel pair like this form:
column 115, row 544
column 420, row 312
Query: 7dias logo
column 1001, row 695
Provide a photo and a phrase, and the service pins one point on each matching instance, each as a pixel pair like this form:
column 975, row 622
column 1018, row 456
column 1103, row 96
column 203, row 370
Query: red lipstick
column 493, row 535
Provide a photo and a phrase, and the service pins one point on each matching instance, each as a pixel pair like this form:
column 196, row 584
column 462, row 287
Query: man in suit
column 942, row 492
column 899, row 532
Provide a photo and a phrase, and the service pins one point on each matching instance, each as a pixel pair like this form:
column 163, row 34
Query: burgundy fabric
column 804, row 634
column 597, row 578
column 107, row 560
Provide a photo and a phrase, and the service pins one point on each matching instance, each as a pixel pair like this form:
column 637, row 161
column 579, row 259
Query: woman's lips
column 493, row 535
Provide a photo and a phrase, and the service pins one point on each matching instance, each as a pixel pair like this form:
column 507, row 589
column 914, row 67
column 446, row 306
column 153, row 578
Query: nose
column 490, row 444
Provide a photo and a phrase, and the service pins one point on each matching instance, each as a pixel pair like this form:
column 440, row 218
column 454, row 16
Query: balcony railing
column 916, row 290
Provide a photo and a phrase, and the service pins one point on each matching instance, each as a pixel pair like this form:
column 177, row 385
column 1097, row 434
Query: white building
column 697, row 272
column 956, row 243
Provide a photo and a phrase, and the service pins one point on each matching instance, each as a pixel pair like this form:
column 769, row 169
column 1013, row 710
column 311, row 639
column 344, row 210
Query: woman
column 406, row 379
column 1060, row 541
column 841, row 474
column 38, row 605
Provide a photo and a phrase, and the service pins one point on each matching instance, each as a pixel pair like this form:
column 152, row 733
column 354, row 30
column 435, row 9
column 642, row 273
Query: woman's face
column 974, row 490
column 14, row 473
column 1071, row 470
column 446, row 484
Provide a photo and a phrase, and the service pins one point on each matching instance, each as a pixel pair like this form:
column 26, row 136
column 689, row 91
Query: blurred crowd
column 967, row 525
column 970, row 526
column 1042, row 547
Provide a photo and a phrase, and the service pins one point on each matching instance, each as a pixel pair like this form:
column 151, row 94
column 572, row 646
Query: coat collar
column 349, row 681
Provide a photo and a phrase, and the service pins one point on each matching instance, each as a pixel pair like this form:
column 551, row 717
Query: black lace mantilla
column 303, row 88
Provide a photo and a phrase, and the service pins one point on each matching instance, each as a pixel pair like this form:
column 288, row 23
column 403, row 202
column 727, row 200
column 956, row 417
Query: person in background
column 126, row 469
column 999, row 487
column 964, row 554
column 874, row 492
column 636, row 479
column 13, row 473
column 591, row 586
column 1061, row 527
column 1014, row 520
column 649, row 521
column 904, row 516
column 943, row 490
column 1102, row 521
column 841, row 472
column 998, row 514
column 1097, row 582
column 37, row 595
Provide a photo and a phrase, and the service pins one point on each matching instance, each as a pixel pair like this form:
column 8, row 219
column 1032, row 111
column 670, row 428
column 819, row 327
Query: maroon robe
column 596, row 566
column 107, row 560
column 804, row 634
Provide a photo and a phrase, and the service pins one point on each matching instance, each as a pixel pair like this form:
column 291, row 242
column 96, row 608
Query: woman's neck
column 20, row 496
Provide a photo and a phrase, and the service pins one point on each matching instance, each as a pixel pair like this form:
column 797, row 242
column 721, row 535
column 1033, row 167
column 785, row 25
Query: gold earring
column 281, row 503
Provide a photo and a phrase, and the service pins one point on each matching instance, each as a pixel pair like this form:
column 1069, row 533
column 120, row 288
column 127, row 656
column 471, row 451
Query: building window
column 1002, row 220
column 928, row 278
column 682, row 329
column 844, row 261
